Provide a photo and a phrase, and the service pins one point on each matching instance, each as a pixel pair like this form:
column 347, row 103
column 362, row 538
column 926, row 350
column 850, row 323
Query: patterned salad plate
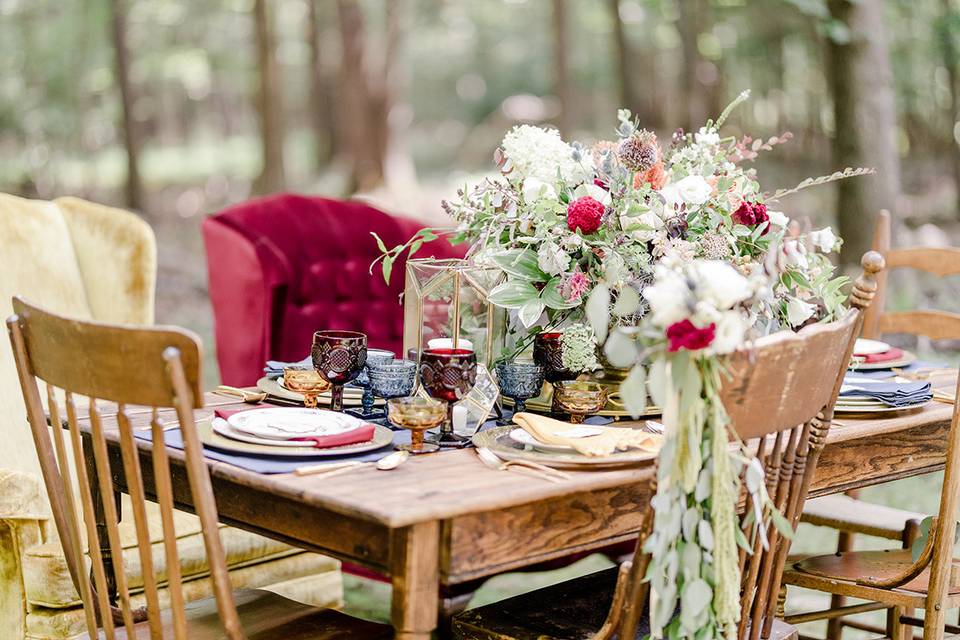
column 226, row 438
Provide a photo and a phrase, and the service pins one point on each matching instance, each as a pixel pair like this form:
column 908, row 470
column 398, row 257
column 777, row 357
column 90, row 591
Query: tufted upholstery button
column 325, row 248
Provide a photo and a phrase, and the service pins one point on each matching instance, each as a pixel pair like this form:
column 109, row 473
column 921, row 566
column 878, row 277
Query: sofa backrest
column 287, row 265
column 78, row 259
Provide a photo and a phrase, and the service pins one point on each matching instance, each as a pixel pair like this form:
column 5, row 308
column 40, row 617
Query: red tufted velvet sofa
column 284, row 266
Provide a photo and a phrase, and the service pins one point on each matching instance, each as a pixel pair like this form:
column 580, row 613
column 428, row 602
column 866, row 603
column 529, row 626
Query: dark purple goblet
column 339, row 356
column 448, row 375
column 548, row 353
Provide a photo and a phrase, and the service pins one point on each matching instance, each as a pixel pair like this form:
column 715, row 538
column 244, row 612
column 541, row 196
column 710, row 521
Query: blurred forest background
column 178, row 108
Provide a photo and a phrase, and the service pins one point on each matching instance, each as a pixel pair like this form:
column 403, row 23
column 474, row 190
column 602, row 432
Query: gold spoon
column 250, row 397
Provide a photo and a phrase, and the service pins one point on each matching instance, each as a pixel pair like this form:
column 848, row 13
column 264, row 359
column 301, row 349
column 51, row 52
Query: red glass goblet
column 339, row 357
column 448, row 375
column 548, row 353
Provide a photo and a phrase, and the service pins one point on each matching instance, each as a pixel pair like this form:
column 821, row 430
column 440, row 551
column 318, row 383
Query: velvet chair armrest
column 117, row 255
column 244, row 297
column 22, row 521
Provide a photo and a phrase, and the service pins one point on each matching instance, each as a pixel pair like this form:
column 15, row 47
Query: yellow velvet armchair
column 90, row 261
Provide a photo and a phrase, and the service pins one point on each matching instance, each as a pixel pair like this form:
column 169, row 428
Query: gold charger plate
column 498, row 440
column 878, row 408
column 351, row 395
column 382, row 437
column 614, row 409
column 908, row 358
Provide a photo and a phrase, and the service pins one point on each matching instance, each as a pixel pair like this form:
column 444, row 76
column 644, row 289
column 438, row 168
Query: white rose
column 824, row 240
column 551, row 259
column 692, row 190
column 799, row 311
column 778, row 218
column 596, row 192
column 534, row 189
column 730, row 331
column 667, row 298
column 652, row 221
column 720, row 284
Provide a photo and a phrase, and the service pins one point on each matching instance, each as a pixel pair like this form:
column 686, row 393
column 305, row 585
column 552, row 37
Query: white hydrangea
column 720, row 284
column 535, row 152
column 824, row 240
column 707, row 137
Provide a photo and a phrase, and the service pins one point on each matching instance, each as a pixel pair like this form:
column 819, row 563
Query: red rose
column 686, row 335
column 585, row 214
column 752, row 214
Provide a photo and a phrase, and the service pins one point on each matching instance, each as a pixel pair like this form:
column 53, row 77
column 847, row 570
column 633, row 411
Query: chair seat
column 266, row 616
column 570, row 610
column 849, row 514
column 838, row 574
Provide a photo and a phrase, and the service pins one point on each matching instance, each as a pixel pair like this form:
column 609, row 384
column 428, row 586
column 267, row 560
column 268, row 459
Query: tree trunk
column 561, row 66
column 692, row 23
column 625, row 61
column 865, row 122
column 134, row 196
column 948, row 23
column 322, row 111
column 362, row 136
column 272, row 176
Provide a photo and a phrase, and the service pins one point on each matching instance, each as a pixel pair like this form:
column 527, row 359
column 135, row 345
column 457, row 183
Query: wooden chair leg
column 835, row 626
column 896, row 630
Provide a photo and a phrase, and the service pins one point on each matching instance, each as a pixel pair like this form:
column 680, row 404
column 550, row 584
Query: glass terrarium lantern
column 446, row 305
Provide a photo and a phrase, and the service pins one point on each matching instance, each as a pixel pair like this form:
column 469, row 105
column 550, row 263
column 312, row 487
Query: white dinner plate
column 865, row 347
column 285, row 423
column 220, row 435
column 522, row 437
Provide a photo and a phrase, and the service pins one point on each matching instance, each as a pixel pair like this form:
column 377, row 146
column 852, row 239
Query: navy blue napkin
column 893, row 394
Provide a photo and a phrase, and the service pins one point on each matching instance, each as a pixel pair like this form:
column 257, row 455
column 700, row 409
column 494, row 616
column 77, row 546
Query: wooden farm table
column 448, row 519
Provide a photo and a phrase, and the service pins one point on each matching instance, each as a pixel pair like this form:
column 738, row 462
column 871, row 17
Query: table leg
column 415, row 571
column 100, row 518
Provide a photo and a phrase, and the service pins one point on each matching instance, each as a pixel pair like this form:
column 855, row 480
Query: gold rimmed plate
column 382, row 437
column 614, row 408
column 499, row 441
column 877, row 408
column 908, row 358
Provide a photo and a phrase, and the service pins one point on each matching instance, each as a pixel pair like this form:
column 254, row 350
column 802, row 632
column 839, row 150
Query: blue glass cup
column 519, row 380
column 392, row 378
column 366, row 410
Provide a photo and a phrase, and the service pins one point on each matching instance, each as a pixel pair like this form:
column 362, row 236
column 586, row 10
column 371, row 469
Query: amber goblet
column 416, row 414
column 448, row 375
column 580, row 398
column 307, row 382
column 339, row 357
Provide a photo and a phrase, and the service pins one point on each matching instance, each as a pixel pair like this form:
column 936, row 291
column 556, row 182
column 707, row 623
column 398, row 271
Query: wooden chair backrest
column 937, row 261
column 779, row 396
column 155, row 367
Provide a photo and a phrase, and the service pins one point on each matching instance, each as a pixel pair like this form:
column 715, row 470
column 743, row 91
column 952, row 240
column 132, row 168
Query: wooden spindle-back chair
column 156, row 368
column 780, row 396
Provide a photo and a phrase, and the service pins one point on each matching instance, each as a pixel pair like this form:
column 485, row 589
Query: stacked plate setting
column 282, row 427
column 876, row 393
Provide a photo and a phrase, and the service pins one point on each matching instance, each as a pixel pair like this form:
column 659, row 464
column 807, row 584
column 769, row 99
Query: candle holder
column 307, row 382
column 339, row 357
column 580, row 398
column 519, row 380
column 448, row 375
column 366, row 410
column 416, row 414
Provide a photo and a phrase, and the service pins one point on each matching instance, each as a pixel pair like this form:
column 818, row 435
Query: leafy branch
column 814, row 182
column 411, row 246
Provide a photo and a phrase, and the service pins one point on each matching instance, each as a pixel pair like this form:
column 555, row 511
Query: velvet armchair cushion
column 287, row 265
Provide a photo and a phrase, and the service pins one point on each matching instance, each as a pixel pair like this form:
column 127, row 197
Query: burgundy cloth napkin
column 363, row 433
column 886, row 356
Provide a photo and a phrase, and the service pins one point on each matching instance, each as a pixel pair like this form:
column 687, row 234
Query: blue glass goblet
column 519, row 380
column 366, row 410
column 392, row 378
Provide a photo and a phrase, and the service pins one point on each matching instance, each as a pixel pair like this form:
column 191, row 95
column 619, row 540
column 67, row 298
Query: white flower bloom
column 648, row 219
column 792, row 254
column 667, row 297
column 799, row 311
column 535, row 189
column 596, row 192
column 693, row 190
column 541, row 153
column 824, row 240
column 551, row 259
column 571, row 241
column 731, row 329
column 720, row 284
column 778, row 218
column 707, row 136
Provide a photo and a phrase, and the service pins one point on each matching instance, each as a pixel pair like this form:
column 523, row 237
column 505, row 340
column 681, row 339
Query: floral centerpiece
column 566, row 220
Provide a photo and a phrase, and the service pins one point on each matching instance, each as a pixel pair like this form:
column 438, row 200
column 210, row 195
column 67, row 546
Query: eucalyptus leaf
column 628, row 301
column 521, row 263
column 387, row 268
column 658, row 382
column 742, row 540
column 782, row 524
column 696, row 597
column 620, row 349
column 691, row 518
column 531, row 312
column 633, row 391
column 690, row 561
column 705, row 534
column 513, row 294
column 598, row 310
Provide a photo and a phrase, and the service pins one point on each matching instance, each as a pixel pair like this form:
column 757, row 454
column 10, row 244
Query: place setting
column 881, row 380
